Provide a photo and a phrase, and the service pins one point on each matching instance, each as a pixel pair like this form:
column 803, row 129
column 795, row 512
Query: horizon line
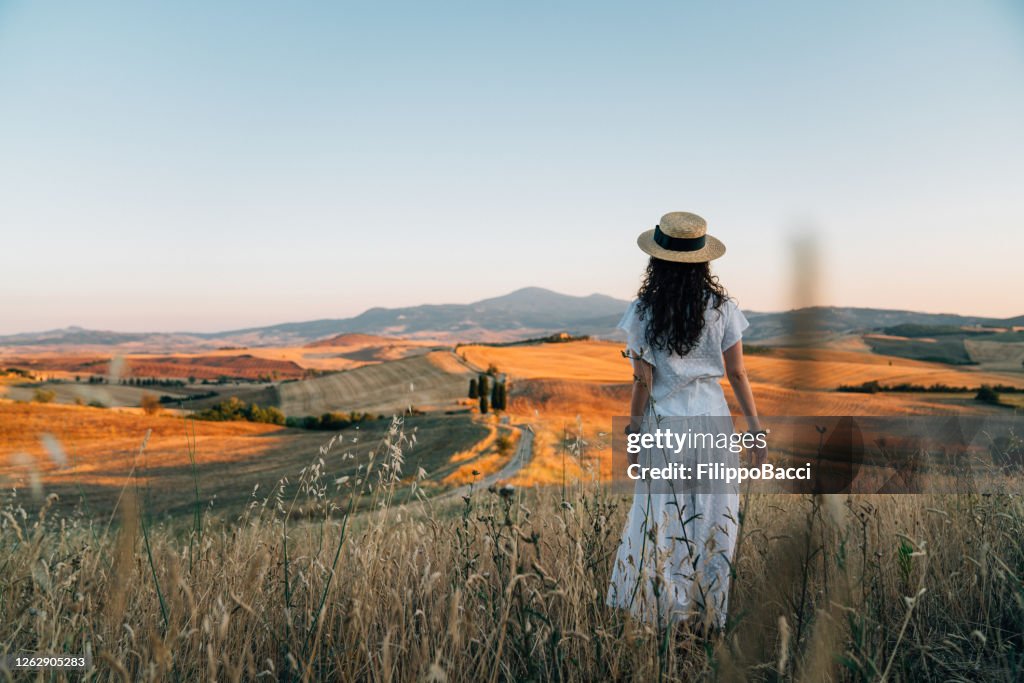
column 257, row 326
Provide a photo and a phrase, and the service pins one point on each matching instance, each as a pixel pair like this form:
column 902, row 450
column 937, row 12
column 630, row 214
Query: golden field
column 105, row 450
column 575, row 389
column 178, row 549
column 342, row 352
column 565, row 391
column 509, row 586
column 600, row 361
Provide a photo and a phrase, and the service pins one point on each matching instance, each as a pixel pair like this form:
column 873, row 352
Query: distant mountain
column 524, row 313
column 78, row 336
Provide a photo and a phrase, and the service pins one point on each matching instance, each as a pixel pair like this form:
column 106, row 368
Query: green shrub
column 987, row 394
column 236, row 409
column 44, row 396
column 329, row 421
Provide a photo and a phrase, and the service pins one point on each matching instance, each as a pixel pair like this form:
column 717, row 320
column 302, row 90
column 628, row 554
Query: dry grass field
column 121, row 395
column 571, row 391
column 597, row 361
column 434, row 379
column 241, row 364
column 509, row 586
column 995, row 355
column 70, row 392
column 103, row 451
column 342, row 352
column 305, row 564
column 590, row 361
column 826, row 369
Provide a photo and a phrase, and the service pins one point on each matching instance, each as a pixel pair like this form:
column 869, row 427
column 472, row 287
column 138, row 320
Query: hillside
column 843, row 320
column 436, row 380
column 102, row 451
column 524, row 313
column 351, row 339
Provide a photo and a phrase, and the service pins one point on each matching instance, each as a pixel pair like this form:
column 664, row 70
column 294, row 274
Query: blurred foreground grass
column 506, row 585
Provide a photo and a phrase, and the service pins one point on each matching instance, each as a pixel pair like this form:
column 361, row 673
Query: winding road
column 519, row 459
column 524, row 451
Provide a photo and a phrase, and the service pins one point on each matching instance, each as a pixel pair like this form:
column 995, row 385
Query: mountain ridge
column 525, row 312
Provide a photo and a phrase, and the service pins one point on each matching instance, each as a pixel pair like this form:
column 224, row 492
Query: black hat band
column 677, row 243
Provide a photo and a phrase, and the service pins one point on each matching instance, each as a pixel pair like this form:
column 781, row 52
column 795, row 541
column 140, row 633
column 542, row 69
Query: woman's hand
column 736, row 371
column 633, row 458
column 758, row 455
column 643, row 378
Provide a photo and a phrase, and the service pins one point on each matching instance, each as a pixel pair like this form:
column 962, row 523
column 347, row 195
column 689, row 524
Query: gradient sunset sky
column 214, row 165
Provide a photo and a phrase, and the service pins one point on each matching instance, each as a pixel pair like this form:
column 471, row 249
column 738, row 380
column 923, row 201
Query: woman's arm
column 736, row 371
column 643, row 378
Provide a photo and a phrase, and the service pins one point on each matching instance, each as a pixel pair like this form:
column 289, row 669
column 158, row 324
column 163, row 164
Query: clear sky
column 209, row 165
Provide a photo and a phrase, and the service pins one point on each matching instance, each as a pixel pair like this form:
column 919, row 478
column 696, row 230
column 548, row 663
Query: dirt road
column 524, row 451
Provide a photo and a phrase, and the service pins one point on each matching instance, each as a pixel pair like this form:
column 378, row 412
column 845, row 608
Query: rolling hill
column 436, row 379
column 524, row 313
column 527, row 312
column 844, row 320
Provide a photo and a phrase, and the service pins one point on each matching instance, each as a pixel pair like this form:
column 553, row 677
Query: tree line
column 236, row 409
column 874, row 387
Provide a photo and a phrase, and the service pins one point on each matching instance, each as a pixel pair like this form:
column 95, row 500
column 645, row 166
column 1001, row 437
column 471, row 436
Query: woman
column 683, row 334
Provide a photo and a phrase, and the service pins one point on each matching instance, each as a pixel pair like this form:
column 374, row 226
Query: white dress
column 674, row 560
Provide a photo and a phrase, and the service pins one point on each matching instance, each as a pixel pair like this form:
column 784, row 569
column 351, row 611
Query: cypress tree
column 472, row 388
column 483, row 404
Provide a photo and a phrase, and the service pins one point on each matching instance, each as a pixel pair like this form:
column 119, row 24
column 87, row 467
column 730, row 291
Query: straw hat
column 681, row 236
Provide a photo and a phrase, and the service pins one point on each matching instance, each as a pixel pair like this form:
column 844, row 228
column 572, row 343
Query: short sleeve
column 636, row 341
column 735, row 323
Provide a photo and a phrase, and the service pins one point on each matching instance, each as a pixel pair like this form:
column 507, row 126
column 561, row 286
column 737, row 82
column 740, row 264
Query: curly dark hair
column 673, row 298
